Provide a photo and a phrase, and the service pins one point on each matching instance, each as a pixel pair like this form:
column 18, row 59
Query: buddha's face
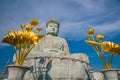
column 52, row 29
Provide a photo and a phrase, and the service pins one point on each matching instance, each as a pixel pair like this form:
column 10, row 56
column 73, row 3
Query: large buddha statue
column 51, row 60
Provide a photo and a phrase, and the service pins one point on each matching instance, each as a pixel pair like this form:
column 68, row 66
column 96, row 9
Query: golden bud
column 90, row 31
column 99, row 37
column 29, row 28
column 34, row 22
column 22, row 26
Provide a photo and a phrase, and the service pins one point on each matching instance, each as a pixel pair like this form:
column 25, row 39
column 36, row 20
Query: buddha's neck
column 51, row 35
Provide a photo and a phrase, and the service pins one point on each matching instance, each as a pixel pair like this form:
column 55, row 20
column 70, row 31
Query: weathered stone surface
column 66, row 68
column 98, row 76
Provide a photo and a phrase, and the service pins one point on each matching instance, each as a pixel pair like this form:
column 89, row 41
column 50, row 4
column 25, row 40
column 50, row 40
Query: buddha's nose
column 53, row 28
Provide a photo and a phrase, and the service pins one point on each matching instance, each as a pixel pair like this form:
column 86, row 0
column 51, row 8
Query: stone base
column 56, row 68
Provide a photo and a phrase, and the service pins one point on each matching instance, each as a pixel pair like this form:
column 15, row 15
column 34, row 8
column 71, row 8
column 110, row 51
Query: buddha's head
column 52, row 27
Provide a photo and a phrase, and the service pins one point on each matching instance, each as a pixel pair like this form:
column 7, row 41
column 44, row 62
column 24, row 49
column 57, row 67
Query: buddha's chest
column 52, row 42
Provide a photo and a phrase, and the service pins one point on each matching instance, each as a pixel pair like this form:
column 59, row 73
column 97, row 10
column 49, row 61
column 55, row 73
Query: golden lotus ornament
column 102, row 47
column 23, row 41
column 20, row 38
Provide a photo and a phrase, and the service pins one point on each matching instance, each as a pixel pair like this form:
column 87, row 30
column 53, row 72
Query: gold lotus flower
column 92, row 43
column 102, row 47
column 29, row 27
column 90, row 31
column 34, row 22
column 20, row 38
column 39, row 29
column 106, row 46
column 111, row 47
column 23, row 41
column 99, row 37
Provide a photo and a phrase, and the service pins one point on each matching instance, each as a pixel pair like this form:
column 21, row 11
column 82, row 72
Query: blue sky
column 75, row 17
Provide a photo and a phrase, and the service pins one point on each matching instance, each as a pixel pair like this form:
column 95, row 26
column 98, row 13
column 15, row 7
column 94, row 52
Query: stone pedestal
column 111, row 74
column 16, row 72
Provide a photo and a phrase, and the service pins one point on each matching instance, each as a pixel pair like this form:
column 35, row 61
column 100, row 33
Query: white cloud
column 77, row 31
column 110, row 30
column 92, row 7
column 71, row 30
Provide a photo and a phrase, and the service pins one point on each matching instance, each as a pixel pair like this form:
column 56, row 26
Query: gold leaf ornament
column 92, row 43
column 20, row 38
column 105, row 46
column 110, row 47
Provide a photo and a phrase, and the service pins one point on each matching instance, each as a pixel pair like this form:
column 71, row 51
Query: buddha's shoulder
column 61, row 38
column 47, row 36
column 54, row 38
